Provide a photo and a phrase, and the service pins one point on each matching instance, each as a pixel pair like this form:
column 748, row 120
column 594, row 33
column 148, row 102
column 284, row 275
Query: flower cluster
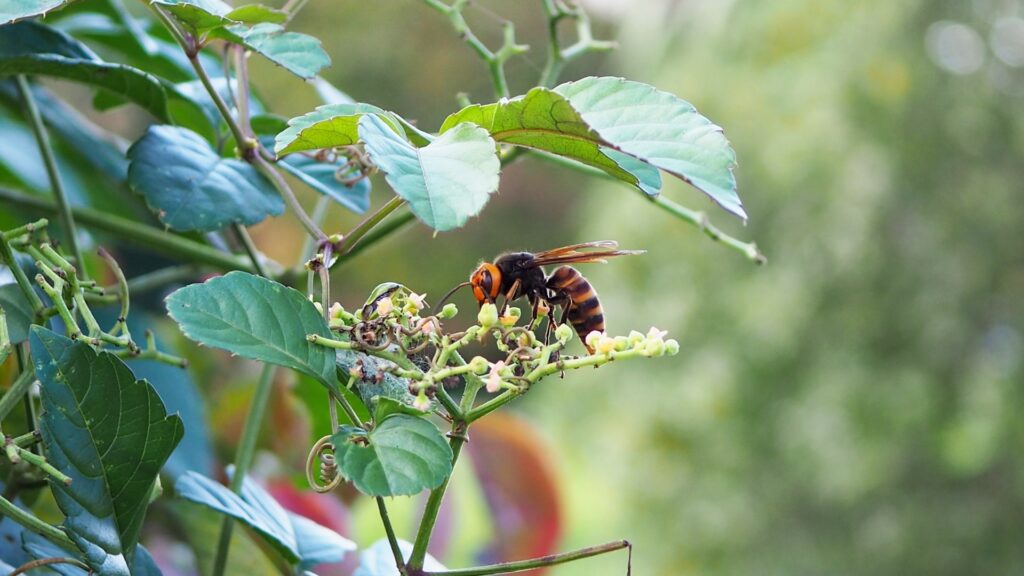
column 392, row 331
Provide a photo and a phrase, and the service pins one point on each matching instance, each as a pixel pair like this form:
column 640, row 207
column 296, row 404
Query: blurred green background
column 853, row 406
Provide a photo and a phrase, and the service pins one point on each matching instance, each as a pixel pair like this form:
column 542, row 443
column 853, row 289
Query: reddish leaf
column 519, row 484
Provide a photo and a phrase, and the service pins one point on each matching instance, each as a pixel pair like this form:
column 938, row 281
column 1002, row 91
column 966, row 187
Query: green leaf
column 200, row 526
column 199, row 16
column 328, row 126
column 256, row 318
column 323, row 176
column 14, row 10
column 32, row 48
column 300, row 540
column 111, row 434
column 190, row 187
column 19, row 313
column 300, row 54
column 258, row 14
column 379, row 560
column 660, row 129
column 404, row 455
column 542, row 120
column 446, row 181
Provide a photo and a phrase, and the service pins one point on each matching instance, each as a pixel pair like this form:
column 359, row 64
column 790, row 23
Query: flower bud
column 654, row 347
column 449, row 311
column 605, row 344
column 421, row 402
column 592, row 339
column 336, row 310
column 671, row 347
column 636, row 338
column 488, row 315
column 319, row 307
column 564, row 333
column 510, row 317
column 542, row 308
column 478, row 364
column 621, row 343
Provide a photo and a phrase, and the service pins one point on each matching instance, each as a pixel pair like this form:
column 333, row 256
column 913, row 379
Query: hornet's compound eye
column 486, row 282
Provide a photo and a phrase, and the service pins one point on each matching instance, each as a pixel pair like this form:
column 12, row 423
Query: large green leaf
column 190, row 187
column 256, row 318
column 446, row 181
column 14, row 10
column 401, row 456
column 543, row 120
column 19, row 313
column 662, row 130
column 198, row 15
column 111, row 434
column 300, row 54
column 326, row 127
column 300, row 540
column 32, row 48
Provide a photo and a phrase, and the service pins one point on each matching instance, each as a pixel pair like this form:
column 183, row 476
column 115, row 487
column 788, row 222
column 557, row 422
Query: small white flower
column 656, row 334
column 494, row 376
column 385, row 306
column 418, row 301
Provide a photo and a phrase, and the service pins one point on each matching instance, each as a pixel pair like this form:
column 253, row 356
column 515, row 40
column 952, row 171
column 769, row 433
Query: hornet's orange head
column 486, row 283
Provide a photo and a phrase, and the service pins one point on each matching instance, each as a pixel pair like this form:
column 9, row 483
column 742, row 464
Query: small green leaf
column 300, row 540
column 111, row 434
column 32, row 48
column 323, row 176
column 190, row 187
column 660, row 129
column 256, row 318
column 404, row 455
column 257, row 14
column 300, row 54
column 328, row 126
column 446, row 181
column 18, row 311
column 199, row 16
column 14, row 10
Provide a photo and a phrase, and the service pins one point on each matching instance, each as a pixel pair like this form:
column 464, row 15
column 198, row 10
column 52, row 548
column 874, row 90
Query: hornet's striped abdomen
column 584, row 310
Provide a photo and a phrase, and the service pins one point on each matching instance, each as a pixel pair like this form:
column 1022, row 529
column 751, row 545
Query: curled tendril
column 321, row 468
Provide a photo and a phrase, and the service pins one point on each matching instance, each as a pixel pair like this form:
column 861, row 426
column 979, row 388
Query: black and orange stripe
column 584, row 309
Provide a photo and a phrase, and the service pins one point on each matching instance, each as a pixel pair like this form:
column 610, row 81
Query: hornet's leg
column 510, row 295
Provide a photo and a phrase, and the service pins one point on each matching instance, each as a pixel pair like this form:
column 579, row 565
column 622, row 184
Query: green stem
column 158, row 240
column 250, row 249
column 390, row 531
column 542, row 562
column 433, row 505
column 379, row 233
column 695, row 217
column 492, row 405
column 244, row 457
column 30, row 522
column 352, row 238
column 39, row 462
column 28, row 566
column 286, row 192
column 46, row 150
column 7, row 255
column 15, row 393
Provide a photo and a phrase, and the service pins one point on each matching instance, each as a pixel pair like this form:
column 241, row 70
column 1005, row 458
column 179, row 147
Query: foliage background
column 848, row 408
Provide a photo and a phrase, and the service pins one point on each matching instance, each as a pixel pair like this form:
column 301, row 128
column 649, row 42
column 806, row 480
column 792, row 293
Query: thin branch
column 159, row 240
column 558, row 57
column 390, row 531
column 244, row 456
column 286, row 192
column 542, row 562
column 495, row 61
column 59, row 194
column 30, row 522
column 250, row 249
column 24, row 568
column 352, row 238
column 433, row 505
